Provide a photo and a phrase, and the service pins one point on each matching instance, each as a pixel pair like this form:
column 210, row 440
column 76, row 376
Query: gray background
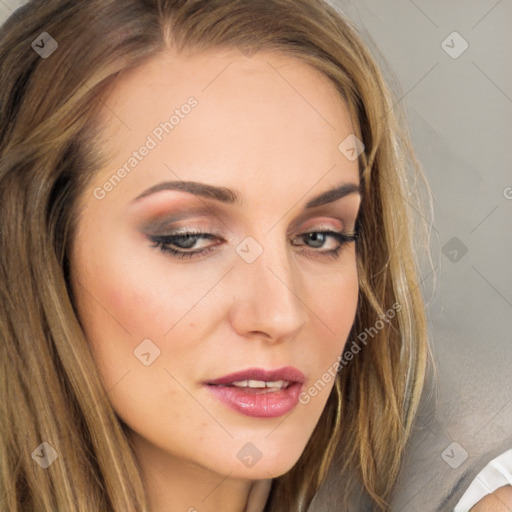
column 460, row 118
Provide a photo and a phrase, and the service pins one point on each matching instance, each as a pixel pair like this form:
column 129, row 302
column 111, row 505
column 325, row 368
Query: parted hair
column 49, row 148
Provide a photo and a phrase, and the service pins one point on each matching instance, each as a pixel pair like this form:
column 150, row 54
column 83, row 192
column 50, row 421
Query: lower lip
column 252, row 402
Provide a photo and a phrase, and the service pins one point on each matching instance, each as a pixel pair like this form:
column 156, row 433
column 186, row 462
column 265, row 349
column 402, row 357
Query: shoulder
column 498, row 501
column 497, row 477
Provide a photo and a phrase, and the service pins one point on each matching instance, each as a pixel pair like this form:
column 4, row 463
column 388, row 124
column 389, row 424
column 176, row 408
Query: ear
column 498, row 501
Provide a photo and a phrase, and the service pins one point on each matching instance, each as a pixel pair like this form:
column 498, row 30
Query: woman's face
column 253, row 293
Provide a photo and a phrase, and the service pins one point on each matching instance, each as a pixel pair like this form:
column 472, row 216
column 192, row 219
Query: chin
column 268, row 461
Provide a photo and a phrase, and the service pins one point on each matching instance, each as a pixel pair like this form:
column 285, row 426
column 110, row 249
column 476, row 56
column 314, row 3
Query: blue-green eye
column 183, row 241
column 318, row 239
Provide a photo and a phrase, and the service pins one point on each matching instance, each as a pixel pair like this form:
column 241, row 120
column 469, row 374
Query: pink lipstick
column 259, row 393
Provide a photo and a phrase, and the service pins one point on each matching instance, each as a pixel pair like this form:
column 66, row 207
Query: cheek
column 123, row 285
column 333, row 303
column 127, row 294
column 126, row 302
column 332, row 299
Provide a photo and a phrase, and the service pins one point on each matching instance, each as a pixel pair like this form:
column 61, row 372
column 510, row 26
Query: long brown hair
column 49, row 148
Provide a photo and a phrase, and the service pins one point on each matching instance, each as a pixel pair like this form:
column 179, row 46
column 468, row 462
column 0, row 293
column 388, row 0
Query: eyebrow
column 228, row 196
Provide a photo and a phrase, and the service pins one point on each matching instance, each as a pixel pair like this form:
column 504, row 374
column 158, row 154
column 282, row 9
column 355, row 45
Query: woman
column 208, row 278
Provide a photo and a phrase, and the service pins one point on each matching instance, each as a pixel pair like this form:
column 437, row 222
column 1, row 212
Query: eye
column 180, row 245
column 319, row 238
column 183, row 242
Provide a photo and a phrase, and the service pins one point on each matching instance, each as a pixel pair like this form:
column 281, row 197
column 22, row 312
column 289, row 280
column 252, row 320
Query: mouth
column 259, row 393
column 258, row 386
column 258, row 378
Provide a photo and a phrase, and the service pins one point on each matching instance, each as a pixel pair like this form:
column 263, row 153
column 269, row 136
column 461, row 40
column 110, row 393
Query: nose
column 268, row 301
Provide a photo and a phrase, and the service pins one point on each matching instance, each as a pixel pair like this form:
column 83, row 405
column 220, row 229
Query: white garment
column 495, row 475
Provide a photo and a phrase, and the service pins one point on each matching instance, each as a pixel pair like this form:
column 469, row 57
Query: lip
column 288, row 373
column 255, row 402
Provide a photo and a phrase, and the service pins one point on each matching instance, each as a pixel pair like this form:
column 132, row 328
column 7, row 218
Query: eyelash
column 163, row 242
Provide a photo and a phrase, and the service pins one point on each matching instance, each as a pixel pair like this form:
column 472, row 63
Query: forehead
column 209, row 72
column 269, row 117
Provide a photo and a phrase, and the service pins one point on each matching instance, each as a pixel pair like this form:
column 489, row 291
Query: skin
column 498, row 501
column 268, row 126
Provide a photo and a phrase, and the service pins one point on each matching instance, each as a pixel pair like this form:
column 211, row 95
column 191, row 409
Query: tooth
column 256, row 383
column 276, row 384
column 260, row 384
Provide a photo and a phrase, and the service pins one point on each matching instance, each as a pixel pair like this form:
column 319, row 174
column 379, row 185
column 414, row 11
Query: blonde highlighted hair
column 49, row 149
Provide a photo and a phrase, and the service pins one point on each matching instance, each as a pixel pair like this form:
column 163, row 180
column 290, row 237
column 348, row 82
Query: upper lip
column 288, row 373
